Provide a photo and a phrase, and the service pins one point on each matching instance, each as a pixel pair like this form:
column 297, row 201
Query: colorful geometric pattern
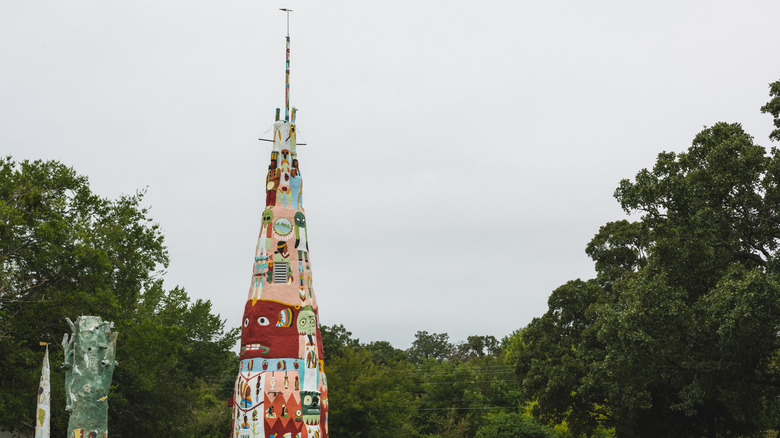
column 281, row 390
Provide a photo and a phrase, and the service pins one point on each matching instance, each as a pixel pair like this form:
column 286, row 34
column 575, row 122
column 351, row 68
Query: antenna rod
column 287, row 70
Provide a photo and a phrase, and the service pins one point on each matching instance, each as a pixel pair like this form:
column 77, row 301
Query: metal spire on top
column 287, row 118
column 287, row 70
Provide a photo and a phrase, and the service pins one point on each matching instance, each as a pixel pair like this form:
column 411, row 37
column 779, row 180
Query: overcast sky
column 460, row 154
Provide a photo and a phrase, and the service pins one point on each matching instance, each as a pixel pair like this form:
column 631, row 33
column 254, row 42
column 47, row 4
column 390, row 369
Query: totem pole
column 43, row 410
column 89, row 367
column 281, row 390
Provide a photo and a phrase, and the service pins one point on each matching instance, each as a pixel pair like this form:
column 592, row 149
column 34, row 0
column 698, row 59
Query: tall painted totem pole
column 281, row 390
column 89, row 367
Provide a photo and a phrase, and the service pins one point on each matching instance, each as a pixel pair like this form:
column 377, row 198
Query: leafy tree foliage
column 475, row 347
column 463, row 392
column 63, row 245
column 677, row 335
column 378, row 390
column 177, row 370
column 427, row 346
column 368, row 399
column 335, row 339
column 512, row 425
column 65, row 251
column 450, row 424
column 560, row 356
column 773, row 107
column 382, row 353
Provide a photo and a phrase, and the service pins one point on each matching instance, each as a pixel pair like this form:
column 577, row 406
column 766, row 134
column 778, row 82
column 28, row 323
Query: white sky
column 460, row 154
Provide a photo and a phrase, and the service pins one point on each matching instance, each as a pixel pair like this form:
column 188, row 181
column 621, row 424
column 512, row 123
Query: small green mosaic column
column 89, row 366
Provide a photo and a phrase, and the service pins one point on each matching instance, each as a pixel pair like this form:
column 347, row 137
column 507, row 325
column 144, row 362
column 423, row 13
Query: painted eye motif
column 263, row 320
column 246, row 322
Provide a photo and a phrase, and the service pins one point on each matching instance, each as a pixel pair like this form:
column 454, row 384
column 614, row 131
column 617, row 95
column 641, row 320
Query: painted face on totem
column 300, row 220
column 310, row 405
column 268, row 216
column 307, row 321
column 281, row 248
column 268, row 330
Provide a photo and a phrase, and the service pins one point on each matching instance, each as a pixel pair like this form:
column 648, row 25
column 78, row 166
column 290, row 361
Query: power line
column 467, row 381
column 496, row 370
column 467, row 409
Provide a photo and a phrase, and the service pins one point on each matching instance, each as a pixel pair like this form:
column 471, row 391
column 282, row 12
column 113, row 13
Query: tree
column 430, row 346
column 692, row 333
column 383, row 353
column 61, row 241
column 65, row 251
column 335, row 339
column 476, row 347
column 773, row 107
column 512, row 425
column 559, row 357
column 455, row 395
column 450, row 424
column 368, row 399
column 677, row 335
column 177, row 369
column 376, row 390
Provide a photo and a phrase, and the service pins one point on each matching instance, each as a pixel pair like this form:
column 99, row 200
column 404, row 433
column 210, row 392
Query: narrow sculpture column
column 89, row 367
column 43, row 410
column 281, row 391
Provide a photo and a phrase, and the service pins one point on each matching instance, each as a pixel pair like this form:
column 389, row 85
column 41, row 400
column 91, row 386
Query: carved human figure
column 302, row 245
column 272, row 183
column 261, row 256
column 296, row 186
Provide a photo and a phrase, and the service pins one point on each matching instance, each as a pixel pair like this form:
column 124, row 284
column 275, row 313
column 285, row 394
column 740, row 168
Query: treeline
column 65, row 251
column 677, row 336
column 434, row 389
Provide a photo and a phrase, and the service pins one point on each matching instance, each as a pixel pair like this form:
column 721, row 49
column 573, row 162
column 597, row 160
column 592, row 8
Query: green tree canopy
column 335, row 339
column 512, row 425
column 773, row 107
column 677, row 335
column 176, row 358
column 378, row 390
column 65, row 252
column 368, row 399
column 476, row 347
column 430, row 346
column 383, row 353
column 559, row 356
